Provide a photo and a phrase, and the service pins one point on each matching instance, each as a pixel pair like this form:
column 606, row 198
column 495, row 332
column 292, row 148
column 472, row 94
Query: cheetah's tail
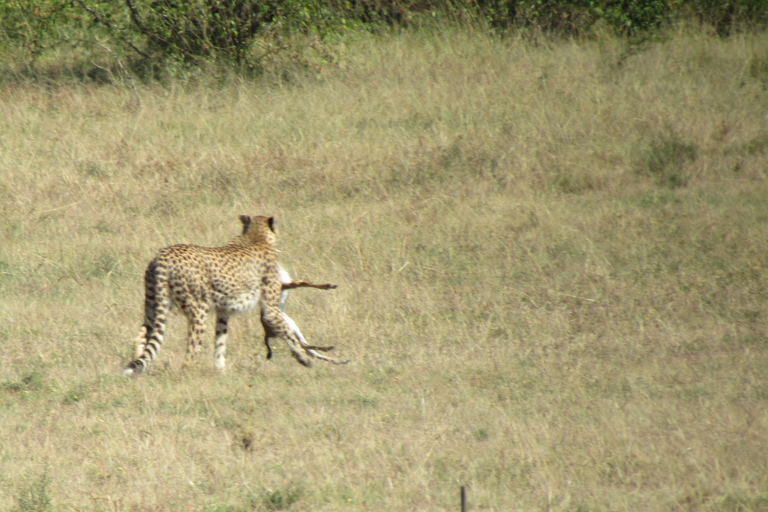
column 156, row 316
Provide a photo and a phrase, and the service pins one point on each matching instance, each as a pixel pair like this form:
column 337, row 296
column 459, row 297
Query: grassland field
column 551, row 259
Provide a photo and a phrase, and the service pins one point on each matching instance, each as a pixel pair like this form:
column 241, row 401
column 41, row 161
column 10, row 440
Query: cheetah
column 234, row 278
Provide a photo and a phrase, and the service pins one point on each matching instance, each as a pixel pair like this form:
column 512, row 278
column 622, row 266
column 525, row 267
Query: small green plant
column 33, row 380
column 34, row 497
column 75, row 394
column 281, row 499
column 482, row 434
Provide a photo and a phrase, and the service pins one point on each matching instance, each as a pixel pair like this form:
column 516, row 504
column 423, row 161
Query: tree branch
column 107, row 24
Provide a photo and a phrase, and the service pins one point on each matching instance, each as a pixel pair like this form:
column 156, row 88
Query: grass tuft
column 34, row 496
column 666, row 161
column 281, row 499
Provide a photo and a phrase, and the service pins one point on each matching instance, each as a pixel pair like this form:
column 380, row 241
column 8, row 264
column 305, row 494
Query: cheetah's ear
column 246, row 220
column 271, row 223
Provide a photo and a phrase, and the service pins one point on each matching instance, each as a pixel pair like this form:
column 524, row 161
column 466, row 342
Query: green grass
column 551, row 269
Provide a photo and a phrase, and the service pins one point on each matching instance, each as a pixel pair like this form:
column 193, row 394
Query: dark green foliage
column 152, row 31
column 203, row 28
column 729, row 15
column 624, row 16
column 225, row 31
column 208, row 28
column 35, row 25
column 633, row 15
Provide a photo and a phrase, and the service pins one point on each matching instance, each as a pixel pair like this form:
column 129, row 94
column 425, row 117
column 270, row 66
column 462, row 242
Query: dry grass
column 552, row 278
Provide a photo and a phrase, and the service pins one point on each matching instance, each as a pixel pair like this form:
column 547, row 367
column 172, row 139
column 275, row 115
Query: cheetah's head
column 260, row 228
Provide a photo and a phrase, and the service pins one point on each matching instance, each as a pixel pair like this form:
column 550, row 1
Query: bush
column 162, row 30
column 213, row 29
column 226, row 30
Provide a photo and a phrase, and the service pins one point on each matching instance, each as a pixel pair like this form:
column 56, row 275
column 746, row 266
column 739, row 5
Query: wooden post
column 463, row 499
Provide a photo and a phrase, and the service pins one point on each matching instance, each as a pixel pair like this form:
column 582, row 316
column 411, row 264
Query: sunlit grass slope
column 551, row 261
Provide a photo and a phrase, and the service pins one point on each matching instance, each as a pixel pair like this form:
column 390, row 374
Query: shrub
column 226, row 30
